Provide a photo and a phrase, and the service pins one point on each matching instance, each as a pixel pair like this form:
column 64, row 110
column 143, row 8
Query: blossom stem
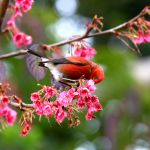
column 21, row 106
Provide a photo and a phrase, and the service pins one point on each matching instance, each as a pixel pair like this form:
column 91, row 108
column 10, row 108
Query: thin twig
column 4, row 5
column 112, row 31
column 13, row 54
column 21, row 105
column 126, row 43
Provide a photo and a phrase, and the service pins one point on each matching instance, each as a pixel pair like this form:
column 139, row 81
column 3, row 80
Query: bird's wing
column 79, row 61
column 73, row 71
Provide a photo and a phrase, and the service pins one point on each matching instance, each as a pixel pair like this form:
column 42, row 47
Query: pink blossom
column 89, row 116
column 11, row 23
column 26, row 129
column 35, row 96
column 84, row 91
column 47, row 109
column 21, row 39
column 87, row 89
column 17, row 11
column 5, row 100
column 139, row 39
column 93, row 104
column 26, row 5
column 43, row 108
column 38, row 106
column 85, row 51
column 9, row 115
column 142, row 37
column 49, row 91
column 66, row 97
column 81, row 103
column 90, row 85
column 60, row 115
column 147, row 37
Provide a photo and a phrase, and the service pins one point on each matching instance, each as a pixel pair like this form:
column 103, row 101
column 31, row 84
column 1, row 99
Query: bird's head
column 97, row 74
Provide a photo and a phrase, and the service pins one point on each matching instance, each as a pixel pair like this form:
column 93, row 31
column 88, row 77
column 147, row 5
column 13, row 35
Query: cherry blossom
column 25, row 5
column 66, row 97
column 26, row 129
column 21, row 39
column 8, row 114
column 47, row 109
column 5, row 100
column 49, row 91
column 11, row 23
column 85, row 51
column 142, row 37
column 60, row 115
column 138, row 31
column 35, row 96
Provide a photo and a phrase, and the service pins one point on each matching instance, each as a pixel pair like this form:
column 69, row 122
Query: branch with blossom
column 58, row 100
column 136, row 29
column 49, row 102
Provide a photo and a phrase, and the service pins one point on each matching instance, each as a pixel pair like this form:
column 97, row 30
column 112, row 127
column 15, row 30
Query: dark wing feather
column 67, row 60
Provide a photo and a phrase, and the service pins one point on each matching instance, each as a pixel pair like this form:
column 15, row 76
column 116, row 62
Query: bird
column 72, row 68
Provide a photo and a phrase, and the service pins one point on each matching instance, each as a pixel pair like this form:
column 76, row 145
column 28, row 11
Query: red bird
column 72, row 68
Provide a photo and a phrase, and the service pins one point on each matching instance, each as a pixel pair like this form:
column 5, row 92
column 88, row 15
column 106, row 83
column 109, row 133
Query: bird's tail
column 42, row 58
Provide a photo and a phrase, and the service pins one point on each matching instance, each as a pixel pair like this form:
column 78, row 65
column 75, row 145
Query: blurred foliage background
column 124, row 124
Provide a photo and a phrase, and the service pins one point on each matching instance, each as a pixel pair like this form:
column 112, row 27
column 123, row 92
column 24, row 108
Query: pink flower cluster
column 6, row 113
column 48, row 102
column 83, row 49
column 25, row 5
column 139, row 31
column 19, row 38
column 87, row 100
column 41, row 104
column 142, row 37
column 26, row 129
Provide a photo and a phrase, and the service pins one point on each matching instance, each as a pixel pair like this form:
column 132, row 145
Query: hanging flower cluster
column 26, row 129
column 7, row 115
column 83, row 49
column 138, row 31
column 19, row 38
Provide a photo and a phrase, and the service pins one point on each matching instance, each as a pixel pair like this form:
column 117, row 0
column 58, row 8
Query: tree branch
column 13, row 54
column 112, row 31
column 3, row 9
column 21, row 106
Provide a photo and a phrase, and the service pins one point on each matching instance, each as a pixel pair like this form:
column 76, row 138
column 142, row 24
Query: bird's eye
column 96, row 78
